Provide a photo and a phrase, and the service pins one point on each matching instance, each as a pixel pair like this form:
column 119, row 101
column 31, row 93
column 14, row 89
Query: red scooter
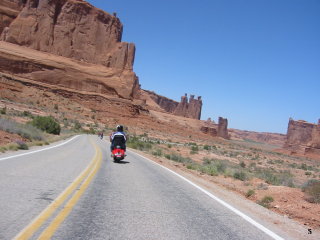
column 118, row 154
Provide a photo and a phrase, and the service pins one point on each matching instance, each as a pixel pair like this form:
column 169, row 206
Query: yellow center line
column 50, row 230
column 29, row 230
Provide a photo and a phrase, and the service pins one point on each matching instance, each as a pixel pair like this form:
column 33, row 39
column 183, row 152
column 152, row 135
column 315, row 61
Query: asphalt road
column 133, row 199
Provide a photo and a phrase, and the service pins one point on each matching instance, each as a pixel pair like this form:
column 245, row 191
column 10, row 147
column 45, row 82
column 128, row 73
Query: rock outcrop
column 216, row 130
column 9, row 10
column 223, row 128
column 186, row 108
column 73, row 29
column 303, row 137
column 189, row 108
column 166, row 104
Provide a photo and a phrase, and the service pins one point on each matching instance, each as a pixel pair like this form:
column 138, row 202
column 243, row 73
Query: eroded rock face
column 186, row 108
column 303, row 137
column 189, row 108
column 216, row 130
column 223, row 128
column 59, row 72
column 164, row 103
column 212, row 131
column 73, row 29
column 9, row 10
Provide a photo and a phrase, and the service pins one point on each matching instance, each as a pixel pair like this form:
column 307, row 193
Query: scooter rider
column 118, row 138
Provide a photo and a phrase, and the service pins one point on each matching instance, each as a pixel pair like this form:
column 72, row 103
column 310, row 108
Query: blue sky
column 255, row 62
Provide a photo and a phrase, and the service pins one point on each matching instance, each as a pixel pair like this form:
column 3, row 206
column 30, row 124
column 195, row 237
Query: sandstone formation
column 189, row 108
column 186, row 108
column 164, row 103
column 223, row 128
column 303, row 137
column 216, row 130
column 71, row 29
column 9, row 10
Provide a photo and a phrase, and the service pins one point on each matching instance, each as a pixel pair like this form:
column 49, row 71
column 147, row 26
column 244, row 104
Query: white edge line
column 236, row 211
column 40, row 150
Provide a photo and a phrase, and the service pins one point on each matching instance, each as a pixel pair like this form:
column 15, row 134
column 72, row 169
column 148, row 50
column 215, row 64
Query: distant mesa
column 303, row 137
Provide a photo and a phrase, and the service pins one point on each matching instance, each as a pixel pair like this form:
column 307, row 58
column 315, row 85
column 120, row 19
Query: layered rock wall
column 303, row 137
column 164, row 103
column 73, row 29
column 9, row 10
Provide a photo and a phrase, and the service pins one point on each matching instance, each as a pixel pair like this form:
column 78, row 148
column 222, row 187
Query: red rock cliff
column 73, row 29
column 303, row 137
column 9, row 10
column 189, row 108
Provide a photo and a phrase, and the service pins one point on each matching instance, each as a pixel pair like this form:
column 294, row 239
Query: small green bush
column 22, row 145
column 47, row 124
column 250, row 193
column 242, row 164
column 312, row 190
column 207, row 147
column 240, row 175
column 3, row 111
column 265, row 202
column 157, row 152
column 77, row 125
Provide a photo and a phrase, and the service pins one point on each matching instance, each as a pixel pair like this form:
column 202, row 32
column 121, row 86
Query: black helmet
column 120, row 128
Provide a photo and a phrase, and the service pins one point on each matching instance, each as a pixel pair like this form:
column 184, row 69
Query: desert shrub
column 265, row 202
column 250, row 193
column 303, row 166
column 3, row 111
column 206, row 160
column 157, row 152
column 221, row 166
column 135, row 143
column 193, row 166
column 210, row 170
column 3, row 149
column 22, row 145
column 77, row 126
column 194, row 149
column 13, row 147
column 242, row 164
column 27, row 114
column 24, row 130
column 47, row 124
column 284, row 178
column 312, row 190
column 207, row 147
column 178, row 158
column 241, row 175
